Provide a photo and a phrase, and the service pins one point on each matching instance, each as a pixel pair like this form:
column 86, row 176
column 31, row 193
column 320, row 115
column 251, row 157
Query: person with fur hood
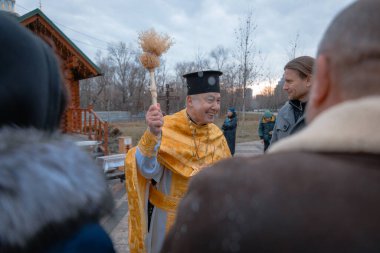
column 51, row 194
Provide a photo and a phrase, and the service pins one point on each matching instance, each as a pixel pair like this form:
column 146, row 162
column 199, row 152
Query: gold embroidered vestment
column 185, row 149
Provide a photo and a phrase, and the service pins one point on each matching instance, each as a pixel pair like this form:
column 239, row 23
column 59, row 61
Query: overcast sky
column 197, row 26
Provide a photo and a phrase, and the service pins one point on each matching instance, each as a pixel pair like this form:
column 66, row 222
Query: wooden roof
column 81, row 66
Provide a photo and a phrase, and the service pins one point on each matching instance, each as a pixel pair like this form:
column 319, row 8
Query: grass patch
column 245, row 132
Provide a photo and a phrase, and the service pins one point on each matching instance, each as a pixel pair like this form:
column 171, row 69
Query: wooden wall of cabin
column 71, row 119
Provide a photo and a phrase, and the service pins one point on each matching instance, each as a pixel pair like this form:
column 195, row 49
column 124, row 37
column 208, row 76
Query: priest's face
column 203, row 108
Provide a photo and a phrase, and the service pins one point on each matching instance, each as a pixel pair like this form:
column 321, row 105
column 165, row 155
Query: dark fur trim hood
column 45, row 180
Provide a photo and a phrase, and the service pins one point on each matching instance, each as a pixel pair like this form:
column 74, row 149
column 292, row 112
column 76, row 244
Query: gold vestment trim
column 162, row 201
column 147, row 143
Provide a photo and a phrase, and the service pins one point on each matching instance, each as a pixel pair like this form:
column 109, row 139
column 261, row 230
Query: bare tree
column 130, row 77
column 293, row 47
column 201, row 61
column 220, row 56
column 247, row 56
column 161, row 76
column 105, row 82
column 96, row 91
column 120, row 56
column 228, row 83
column 137, row 84
column 291, row 52
column 86, row 92
column 271, row 98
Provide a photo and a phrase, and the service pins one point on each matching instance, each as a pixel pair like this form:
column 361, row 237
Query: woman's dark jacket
column 229, row 131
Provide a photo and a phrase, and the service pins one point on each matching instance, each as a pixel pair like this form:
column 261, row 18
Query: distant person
column 290, row 118
column 229, row 129
column 172, row 150
column 52, row 196
column 265, row 129
column 316, row 191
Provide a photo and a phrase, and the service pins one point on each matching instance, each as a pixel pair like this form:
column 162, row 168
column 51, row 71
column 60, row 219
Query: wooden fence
column 87, row 122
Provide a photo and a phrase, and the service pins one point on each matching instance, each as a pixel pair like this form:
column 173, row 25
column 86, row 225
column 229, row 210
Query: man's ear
column 322, row 82
column 320, row 90
column 309, row 81
column 189, row 101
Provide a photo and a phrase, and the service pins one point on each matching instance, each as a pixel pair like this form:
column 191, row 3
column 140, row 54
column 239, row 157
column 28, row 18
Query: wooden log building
column 76, row 66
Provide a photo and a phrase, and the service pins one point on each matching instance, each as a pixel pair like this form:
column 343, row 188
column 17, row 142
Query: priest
column 172, row 150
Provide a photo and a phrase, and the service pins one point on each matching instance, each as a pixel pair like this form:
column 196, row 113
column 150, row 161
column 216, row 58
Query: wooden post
column 70, row 120
column 105, row 138
column 167, row 99
column 125, row 144
column 83, row 130
column 90, row 126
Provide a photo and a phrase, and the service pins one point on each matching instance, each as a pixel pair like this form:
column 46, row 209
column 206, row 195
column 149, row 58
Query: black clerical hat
column 202, row 82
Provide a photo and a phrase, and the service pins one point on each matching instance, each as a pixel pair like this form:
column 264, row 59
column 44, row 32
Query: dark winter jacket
column 317, row 191
column 229, row 131
column 287, row 122
column 265, row 129
column 51, row 195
